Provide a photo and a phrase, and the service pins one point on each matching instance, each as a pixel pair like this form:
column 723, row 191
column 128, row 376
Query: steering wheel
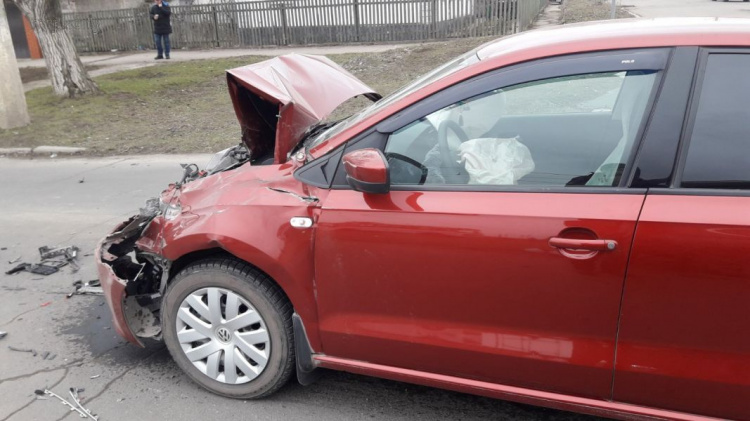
column 449, row 158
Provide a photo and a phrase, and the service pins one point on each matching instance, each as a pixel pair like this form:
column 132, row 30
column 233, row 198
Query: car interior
column 546, row 133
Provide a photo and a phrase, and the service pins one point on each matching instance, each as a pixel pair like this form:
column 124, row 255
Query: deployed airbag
column 496, row 161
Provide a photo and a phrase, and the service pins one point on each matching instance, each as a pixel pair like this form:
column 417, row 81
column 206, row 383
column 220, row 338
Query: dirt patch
column 31, row 74
column 574, row 11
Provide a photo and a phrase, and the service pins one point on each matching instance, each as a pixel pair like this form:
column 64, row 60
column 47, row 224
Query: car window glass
column 431, row 77
column 718, row 154
column 567, row 131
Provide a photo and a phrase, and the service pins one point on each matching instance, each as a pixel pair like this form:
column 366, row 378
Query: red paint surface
column 466, row 284
column 685, row 331
column 366, row 165
column 114, row 294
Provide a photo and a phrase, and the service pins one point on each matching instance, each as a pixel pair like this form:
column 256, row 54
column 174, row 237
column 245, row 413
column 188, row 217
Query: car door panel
column 683, row 342
column 462, row 279
column 466, row 284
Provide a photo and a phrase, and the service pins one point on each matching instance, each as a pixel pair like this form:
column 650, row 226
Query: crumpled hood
column 278, row 100
column 244, row 186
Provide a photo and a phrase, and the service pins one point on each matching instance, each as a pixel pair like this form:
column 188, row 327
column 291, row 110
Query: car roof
column 619, row 34
column 571, row 39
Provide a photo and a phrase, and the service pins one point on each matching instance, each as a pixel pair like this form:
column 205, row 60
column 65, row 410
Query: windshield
column 435, row 75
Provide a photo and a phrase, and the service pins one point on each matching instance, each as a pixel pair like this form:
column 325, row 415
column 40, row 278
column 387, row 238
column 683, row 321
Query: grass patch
column 184, row 107
column 32, row 74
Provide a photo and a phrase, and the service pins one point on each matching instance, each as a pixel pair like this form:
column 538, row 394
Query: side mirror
column 367, row 171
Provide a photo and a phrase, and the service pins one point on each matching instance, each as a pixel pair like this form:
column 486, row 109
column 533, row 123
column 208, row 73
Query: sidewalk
column 550, row 16
column 112, row 63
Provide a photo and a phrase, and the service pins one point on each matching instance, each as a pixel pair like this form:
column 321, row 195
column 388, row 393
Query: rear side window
column 718, row 153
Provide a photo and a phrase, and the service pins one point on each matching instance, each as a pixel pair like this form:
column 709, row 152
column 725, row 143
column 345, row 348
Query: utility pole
column 13, row 111
column 614, row 9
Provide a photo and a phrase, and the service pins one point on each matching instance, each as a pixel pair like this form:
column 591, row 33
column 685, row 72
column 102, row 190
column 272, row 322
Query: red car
column 559, row 218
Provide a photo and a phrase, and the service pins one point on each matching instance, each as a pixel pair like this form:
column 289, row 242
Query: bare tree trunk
column 69, row 77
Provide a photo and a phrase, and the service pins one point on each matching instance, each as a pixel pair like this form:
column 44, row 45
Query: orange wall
column 34, row 50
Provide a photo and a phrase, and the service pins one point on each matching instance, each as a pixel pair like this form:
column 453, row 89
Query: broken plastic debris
column 96, row 376
column 92, row 287
column 83, row 413
column 69, row 253
column 3, row 334
column 46, row 355
column 12, row 348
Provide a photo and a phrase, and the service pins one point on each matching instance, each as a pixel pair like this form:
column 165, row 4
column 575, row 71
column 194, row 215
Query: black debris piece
column 3, row 334
column 52, row 260
column 39, row 269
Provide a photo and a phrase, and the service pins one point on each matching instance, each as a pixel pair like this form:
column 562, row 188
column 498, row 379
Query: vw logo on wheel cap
column 223, row 334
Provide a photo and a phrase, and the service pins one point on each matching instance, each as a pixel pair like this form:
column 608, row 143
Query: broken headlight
column 172, row 211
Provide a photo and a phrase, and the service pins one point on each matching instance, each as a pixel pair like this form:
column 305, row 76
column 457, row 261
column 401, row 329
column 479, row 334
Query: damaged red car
column 556, row 218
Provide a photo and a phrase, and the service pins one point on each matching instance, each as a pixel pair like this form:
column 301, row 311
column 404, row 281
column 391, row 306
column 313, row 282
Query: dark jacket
column 161, row 25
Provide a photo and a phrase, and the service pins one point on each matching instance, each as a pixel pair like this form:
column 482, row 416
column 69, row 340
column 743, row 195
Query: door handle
column 576, row 244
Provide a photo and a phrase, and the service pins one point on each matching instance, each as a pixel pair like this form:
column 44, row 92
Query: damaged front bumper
column 133, row 276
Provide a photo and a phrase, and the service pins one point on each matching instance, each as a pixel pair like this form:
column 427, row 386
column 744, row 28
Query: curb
column 42, row 150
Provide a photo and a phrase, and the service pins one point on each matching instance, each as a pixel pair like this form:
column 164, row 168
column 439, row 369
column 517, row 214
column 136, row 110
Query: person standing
column 162, row 27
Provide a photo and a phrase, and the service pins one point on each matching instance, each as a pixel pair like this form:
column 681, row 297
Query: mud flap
column 306, row 369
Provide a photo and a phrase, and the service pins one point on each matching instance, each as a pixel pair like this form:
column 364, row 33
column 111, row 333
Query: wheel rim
column 223, row 335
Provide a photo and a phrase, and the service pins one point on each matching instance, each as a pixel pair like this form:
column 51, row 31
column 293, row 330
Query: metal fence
column 302, row 22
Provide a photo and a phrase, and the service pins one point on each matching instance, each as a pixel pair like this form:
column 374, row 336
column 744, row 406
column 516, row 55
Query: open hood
column 278, row 100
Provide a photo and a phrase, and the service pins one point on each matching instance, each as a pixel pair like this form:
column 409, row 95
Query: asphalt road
column 62, row 202
column 670, row 8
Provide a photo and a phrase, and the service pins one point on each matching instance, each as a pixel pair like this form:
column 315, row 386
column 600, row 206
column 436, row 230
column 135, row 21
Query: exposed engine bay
column 134, row 260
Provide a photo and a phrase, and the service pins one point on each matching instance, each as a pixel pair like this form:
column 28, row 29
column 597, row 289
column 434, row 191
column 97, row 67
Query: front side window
column 718, row 154
column 567, row 131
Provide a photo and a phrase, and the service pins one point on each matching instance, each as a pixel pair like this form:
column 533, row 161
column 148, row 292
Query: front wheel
column 229, row 327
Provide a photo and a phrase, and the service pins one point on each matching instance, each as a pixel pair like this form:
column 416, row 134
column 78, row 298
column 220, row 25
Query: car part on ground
column 73, row 392
column 93, row 287
column 52, row 259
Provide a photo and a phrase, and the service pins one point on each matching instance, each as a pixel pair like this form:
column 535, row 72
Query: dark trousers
column 158, row 38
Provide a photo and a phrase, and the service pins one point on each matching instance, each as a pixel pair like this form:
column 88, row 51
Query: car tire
column 190, row 302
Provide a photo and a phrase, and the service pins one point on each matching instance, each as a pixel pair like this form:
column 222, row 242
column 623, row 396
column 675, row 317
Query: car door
column 508, row 273
column 684, row 341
